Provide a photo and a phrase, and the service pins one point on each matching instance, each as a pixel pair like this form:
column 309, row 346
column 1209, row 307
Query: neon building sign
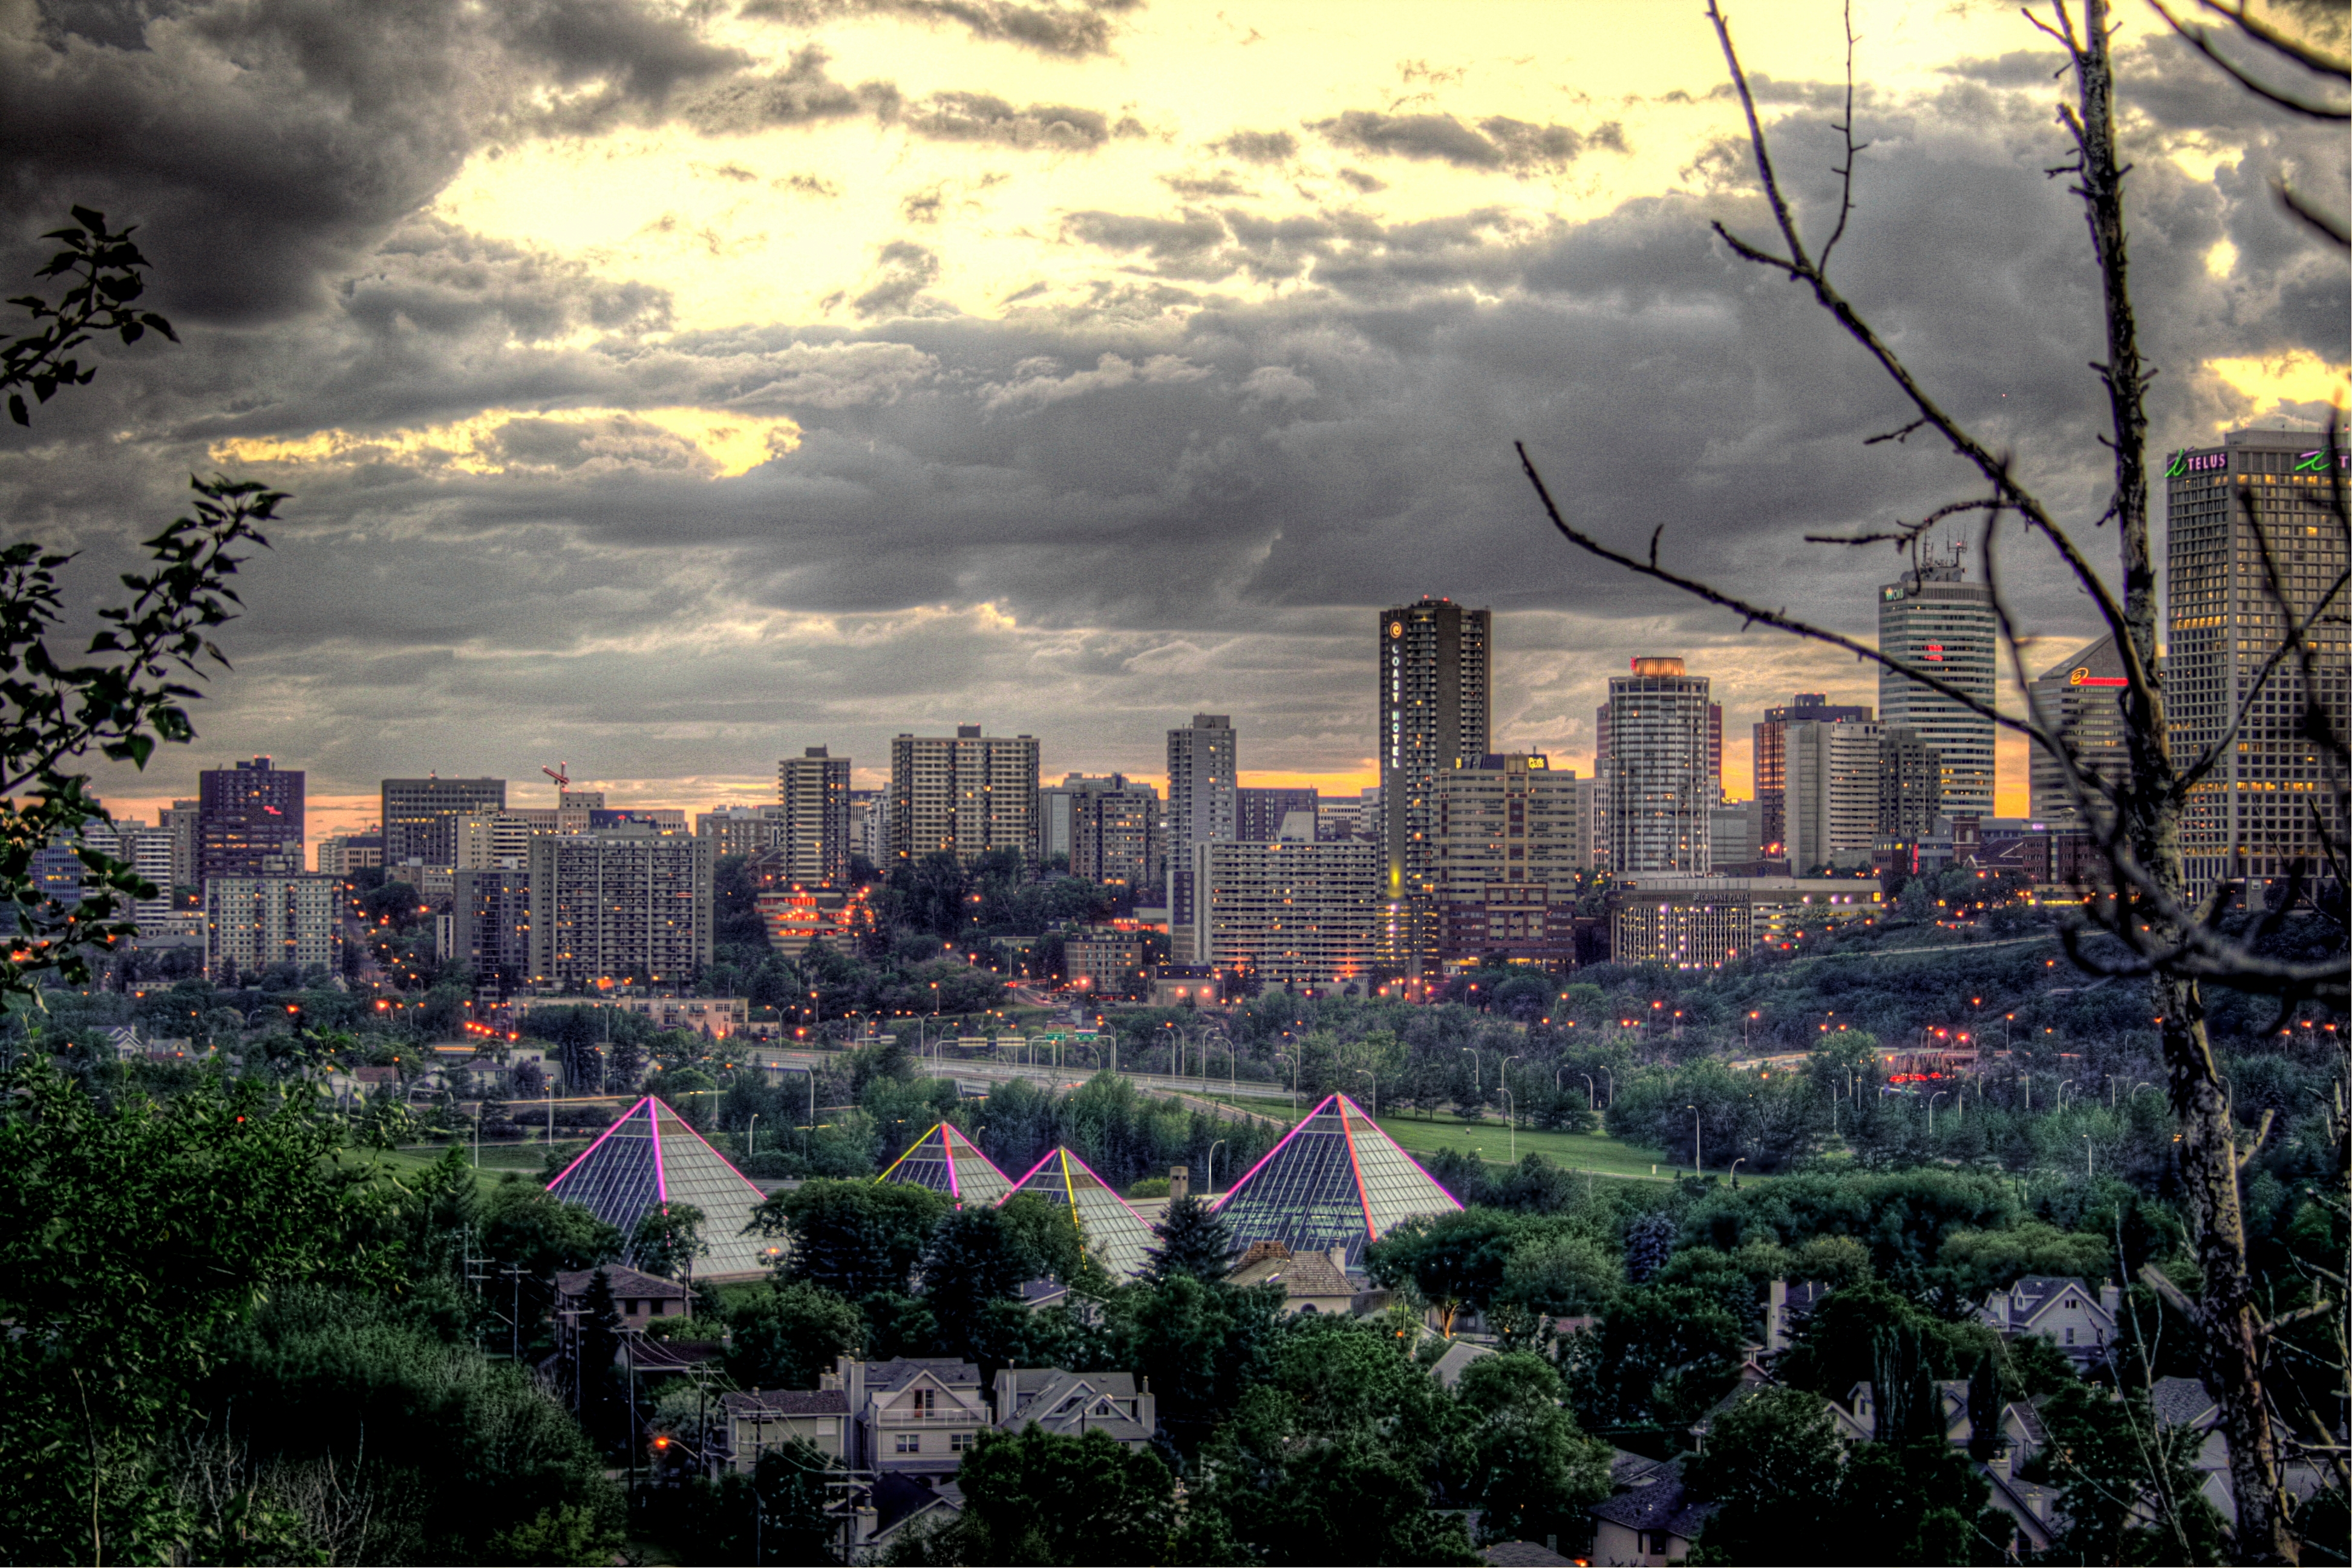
column 2081, row 676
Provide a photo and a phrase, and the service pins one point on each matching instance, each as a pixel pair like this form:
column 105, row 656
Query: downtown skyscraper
column 1657, row 778
column 1435, row 708
column 1932, row 619
column 1204, row 782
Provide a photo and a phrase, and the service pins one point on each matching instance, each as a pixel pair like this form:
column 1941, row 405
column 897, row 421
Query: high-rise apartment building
column 2268, row 800
column 181, row 821
column 869, row 816
column 619, row 904
column 1203, row 764
column 1511, row 840
column 248, row 821
column 1259, row 814
column 1659, row 789
column 419, row 815
column 345, row 853
column 1107, row 827
column 487, row 929
column 740, row 829
column 1435, row 708
column 964, row 795
column 253, row 923
column 1910, row 786
column 148, row 851
column 1931, row 619
column 1833, row 794
column 2081, row 696
column 1292, row 913
column 1715, row 746
column 1771, row 767
column 813, row 790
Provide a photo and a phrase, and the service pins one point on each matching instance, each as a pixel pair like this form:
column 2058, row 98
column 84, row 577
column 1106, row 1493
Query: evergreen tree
column 1649, row 1242
column 1984, row 1411
column 1194, row 1240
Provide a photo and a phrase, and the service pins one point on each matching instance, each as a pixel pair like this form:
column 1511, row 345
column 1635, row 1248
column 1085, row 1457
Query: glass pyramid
column 1334, row 1180
column 1113, row 1232
column 651, row 1156
column 945, row 1160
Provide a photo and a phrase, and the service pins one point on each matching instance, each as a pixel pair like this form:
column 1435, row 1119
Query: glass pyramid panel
column 945, row 1160
column 1334, row 1180
column 1113, row 1232
column 649, row 1157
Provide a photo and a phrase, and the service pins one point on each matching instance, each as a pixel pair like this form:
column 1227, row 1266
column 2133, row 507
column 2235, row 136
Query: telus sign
column 2315, row 461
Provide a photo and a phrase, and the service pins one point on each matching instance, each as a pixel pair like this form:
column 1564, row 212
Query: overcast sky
column 664, row 388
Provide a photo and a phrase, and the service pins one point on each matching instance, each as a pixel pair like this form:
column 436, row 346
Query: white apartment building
column 1660, row 783
column 253, row 922
column 1831, row 798
column 1932, row 620
column 1293, row 911
column 1511, row 838
column 619, row 904
column 964, row 795
column 813, row 809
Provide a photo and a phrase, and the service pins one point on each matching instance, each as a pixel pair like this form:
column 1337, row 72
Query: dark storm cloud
column 1498, row 142
column 1085, row 518
column 1260, row 146
column 1071, row 31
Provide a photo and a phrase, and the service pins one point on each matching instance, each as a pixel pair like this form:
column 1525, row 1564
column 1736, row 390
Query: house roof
column 649, row 1157
column 2037, row 1293
column 1307, row 1274
column 1654, row 1499
column 899, row 1500
column 888, row 1376
column 631, row 1284
column 2180, row 1401
column 786, row 1402
column 1524, row 1554
column 945, row 1160
column 1456, row 1359
column 1335, row 1179
column 1110, row 1230
column 1073, row 1401
column 1623, row 1466
column 2012, row 1499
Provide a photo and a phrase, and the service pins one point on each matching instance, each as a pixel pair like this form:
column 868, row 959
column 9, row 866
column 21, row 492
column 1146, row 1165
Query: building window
column 910, row 1442
column 959, row 1441
column 2070, row 1336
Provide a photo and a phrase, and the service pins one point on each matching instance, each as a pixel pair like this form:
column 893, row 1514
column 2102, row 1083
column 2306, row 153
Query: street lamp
column 1503, row 1078
column 1213, row 1165
column 1611, row 1079
column 1511, row 1119
column 1735, row 1172
column 1696, row 1164
column 1931, row 1110
column 752, row 1137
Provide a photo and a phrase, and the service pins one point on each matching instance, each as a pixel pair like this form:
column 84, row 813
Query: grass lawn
column 1594, row 1151
column 497, row 1158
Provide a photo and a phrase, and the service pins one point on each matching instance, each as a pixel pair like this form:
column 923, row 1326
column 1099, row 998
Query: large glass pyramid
column 945, row 1160
column 1113, row 1232
column 1334, row 1180
column 651, row 1156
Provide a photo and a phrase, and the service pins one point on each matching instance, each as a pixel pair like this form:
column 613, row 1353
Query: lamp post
column 1611, row 1079
column 1696, row 1164
column 1931, row 1110
column 1735, row 1172
column 1375, row 1079
column 1511, row 1119
column 1591, row 1094
column 1213, row 1165
column 1743, row 1024
column 1503, row 1079
column 752, row 1137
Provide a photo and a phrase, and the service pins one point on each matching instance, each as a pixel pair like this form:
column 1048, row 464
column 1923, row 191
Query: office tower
column 181, row 820
column 1910, row 786
column 1294, row 912
column 1772, row 769
column 963, row 797
column 2082, row 698
column 1203, row 758
column 1659, row 789
column 248, row 821
column 740, row 829
column 814, row 791
column 1108, row 829
column 1258, row 814
column 419, row 815
column 1338, row 817
column 1434, row 704
column 1833, row 794
column 629, row 902
column 253, row 923
column 1933, row 620
column 488, row 928
column 1510, row 839
column 344, row 853
column 149, row 852
column 2269, row 798
column 1715, row 746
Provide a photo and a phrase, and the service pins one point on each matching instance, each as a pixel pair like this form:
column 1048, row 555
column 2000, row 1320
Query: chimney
column 1180, row 1182
column 1999, row 1463
column 2111, row 1299
column 1339, row 1256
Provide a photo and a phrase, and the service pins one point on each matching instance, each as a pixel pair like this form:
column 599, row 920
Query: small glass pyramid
column 650, row 1156
column 945, row 1160
column 1334, row 1180
column 1113, row 1232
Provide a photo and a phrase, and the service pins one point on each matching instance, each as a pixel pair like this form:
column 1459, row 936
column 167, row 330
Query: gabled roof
column 628, row 1284
column 1301, row 1274
column 1654, row 1499
column 2037, row 1293
column 1334, row 1180
column 945, row 1160
column 787, row 1402
column 1113, row 1232
column 890, row 1376
column 650, row 1157
column 2180, row 1401
column 1073, row 1402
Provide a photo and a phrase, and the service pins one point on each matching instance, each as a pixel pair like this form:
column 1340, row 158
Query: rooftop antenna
column 562, row 779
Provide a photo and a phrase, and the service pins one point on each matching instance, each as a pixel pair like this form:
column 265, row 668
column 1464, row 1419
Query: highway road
column 776, row 1057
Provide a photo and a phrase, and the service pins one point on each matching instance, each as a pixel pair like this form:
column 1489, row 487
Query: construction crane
column 562, row 777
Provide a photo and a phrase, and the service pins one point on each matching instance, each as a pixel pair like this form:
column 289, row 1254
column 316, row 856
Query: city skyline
column 677, row 399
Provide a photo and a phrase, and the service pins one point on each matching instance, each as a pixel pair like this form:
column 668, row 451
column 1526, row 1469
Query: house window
column 2070, row 1336
column 910, row 1442
column 959, row 1441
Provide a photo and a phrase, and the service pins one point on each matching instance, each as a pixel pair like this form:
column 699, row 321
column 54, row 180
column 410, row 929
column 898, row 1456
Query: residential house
column 2066, row 1312
column 2183, row 1402
column 1786, row 1308
column 770, row 1419
column 1449, row 1367
column 1649, row 1519
column 1310, row 1281
column 914, row 1415
column 1076, row 1403
column 639, row 1298
column 893, row 1506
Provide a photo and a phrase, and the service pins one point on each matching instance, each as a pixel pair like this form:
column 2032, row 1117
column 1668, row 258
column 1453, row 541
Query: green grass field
column 1491, row 1141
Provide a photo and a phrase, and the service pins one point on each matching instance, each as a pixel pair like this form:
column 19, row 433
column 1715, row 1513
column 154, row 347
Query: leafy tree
column 2110, row 1457
column 1659, row 1356
column 852, row 1239
column 1772, row 1464
column 1037, row 1496
column 1530, row 1470
column 1200, row 1345
column 601, row 1402
column 1983, row 1261
column 667, row 1239
column 974, row 1261
column 1194, row 1240
column 1455, row 1261
column 130, row 1237
column 788, row 1335
column 1915, row 1502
